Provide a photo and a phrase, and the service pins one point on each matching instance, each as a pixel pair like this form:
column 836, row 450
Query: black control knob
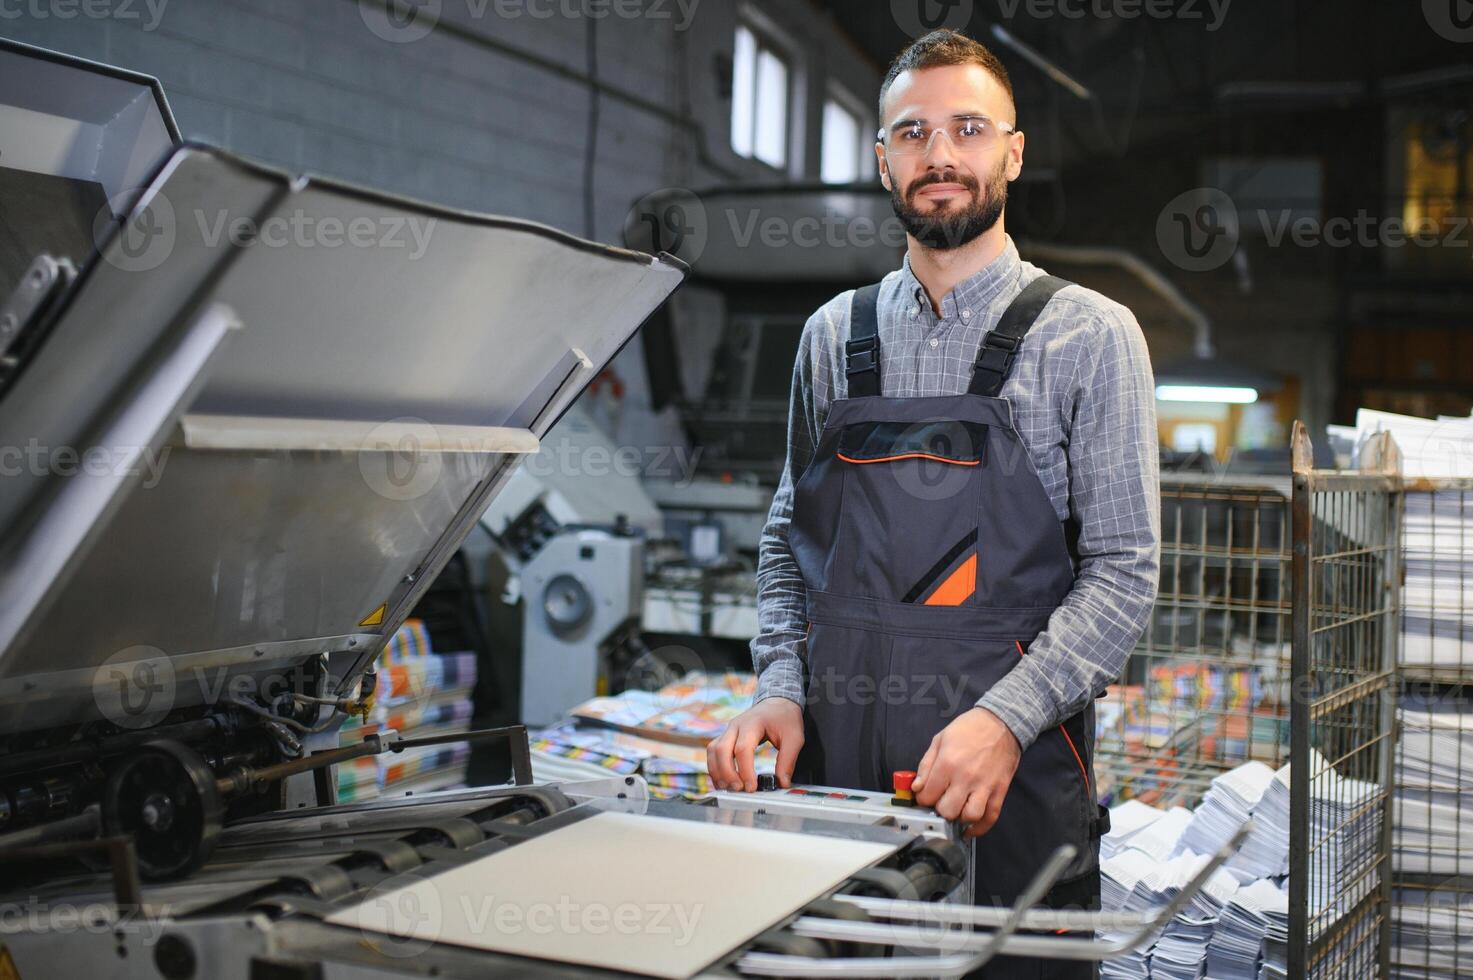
column 766, row 782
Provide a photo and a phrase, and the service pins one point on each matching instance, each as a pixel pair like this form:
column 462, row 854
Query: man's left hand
column 967, row 770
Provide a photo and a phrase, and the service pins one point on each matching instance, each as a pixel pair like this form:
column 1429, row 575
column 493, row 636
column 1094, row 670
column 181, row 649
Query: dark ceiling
column 1157, row 76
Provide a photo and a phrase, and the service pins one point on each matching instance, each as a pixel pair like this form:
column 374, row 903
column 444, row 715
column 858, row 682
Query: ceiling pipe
column 1038, row 61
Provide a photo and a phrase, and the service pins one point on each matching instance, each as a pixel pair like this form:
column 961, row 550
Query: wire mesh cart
column 1207, row 686
column 1346, row 531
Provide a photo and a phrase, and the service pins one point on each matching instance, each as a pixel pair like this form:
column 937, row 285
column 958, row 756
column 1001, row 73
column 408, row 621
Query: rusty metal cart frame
column 1346, row 530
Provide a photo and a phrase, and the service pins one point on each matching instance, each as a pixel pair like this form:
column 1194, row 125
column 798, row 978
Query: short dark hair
column 938, row 49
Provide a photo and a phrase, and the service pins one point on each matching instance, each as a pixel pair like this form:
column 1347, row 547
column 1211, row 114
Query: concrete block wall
column 487, row 112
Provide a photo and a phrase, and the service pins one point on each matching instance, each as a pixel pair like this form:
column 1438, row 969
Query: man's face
column 944, row 194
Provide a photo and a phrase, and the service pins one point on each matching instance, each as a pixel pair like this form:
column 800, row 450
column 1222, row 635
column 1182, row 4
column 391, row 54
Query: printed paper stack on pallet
column 661, row 734
column 419, row 693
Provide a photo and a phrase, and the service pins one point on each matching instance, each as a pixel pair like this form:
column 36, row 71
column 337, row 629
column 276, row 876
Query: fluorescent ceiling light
column 1207, row 393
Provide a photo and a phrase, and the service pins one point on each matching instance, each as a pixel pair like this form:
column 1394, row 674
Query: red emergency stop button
column 902, row 780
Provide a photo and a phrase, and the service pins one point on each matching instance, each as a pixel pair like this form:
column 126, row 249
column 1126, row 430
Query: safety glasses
column 968, row 134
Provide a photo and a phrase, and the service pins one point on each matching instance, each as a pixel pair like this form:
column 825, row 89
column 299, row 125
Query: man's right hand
column 730, row 757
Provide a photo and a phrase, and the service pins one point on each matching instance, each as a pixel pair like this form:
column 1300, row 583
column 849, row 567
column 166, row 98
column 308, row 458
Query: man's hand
column 729, row 757
column 967, row 770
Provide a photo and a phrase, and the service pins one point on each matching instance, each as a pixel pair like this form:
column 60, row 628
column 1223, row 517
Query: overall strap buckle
column 1000, row 347
column 862, row 350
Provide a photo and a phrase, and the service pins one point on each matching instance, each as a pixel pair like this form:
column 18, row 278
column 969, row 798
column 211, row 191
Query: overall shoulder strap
column 1000, row 346
column 862, row 352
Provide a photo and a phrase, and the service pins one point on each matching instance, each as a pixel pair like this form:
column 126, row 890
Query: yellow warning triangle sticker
column 375, row 618
column 7, row 966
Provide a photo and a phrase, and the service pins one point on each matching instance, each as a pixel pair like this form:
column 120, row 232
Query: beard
column 947, row 227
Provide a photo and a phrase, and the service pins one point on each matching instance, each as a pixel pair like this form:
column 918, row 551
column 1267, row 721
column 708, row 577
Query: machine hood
column 264, row 418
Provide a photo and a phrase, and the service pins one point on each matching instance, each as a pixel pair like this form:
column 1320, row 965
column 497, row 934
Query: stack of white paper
column 1434, row 776
column 1431, row 834
column 1238, row 925
column 1256, row 912
column 1225, row 807
column 1119, row 874
column 1437, row 598
column 1265, row 854
column 1159, row 838
column 1429, row 447
column 1156, row 883
column 1126, row 820
column 1181, row 952
column 1122, row 882
column 1426, row 926
column 1275, row 965
column 1435, row 749
column 1344, row 833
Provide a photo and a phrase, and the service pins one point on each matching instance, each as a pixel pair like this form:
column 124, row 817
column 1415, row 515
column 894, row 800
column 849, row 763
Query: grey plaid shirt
column 1083, row 400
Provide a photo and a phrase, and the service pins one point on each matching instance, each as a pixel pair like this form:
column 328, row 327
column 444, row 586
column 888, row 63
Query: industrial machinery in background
column 723, row 349
column 575, row 541
column 622, row 578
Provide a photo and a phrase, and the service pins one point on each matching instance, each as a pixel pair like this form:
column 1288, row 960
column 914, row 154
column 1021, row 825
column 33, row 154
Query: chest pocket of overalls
column 908, row 529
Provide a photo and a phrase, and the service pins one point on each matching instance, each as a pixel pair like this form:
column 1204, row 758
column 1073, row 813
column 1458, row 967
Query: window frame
column 765, row 42
column 864, row 158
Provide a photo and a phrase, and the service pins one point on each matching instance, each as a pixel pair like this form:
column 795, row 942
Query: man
column 963, row 546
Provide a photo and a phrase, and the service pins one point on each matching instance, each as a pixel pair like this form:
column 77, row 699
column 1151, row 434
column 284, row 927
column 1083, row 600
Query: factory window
column 846, row 152
column 1436, row 165
column 759, row 100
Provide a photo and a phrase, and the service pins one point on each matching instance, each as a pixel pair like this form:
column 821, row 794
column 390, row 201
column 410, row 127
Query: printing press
column 275, row 444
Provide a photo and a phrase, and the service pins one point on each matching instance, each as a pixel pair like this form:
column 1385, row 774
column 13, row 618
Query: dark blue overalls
column 932, row 557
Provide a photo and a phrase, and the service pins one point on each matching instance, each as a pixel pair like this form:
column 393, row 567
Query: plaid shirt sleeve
column 1114, row 494
column 779, row 648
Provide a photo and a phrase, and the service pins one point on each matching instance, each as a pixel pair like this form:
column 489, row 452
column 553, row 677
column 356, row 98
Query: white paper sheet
column 651, row 895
